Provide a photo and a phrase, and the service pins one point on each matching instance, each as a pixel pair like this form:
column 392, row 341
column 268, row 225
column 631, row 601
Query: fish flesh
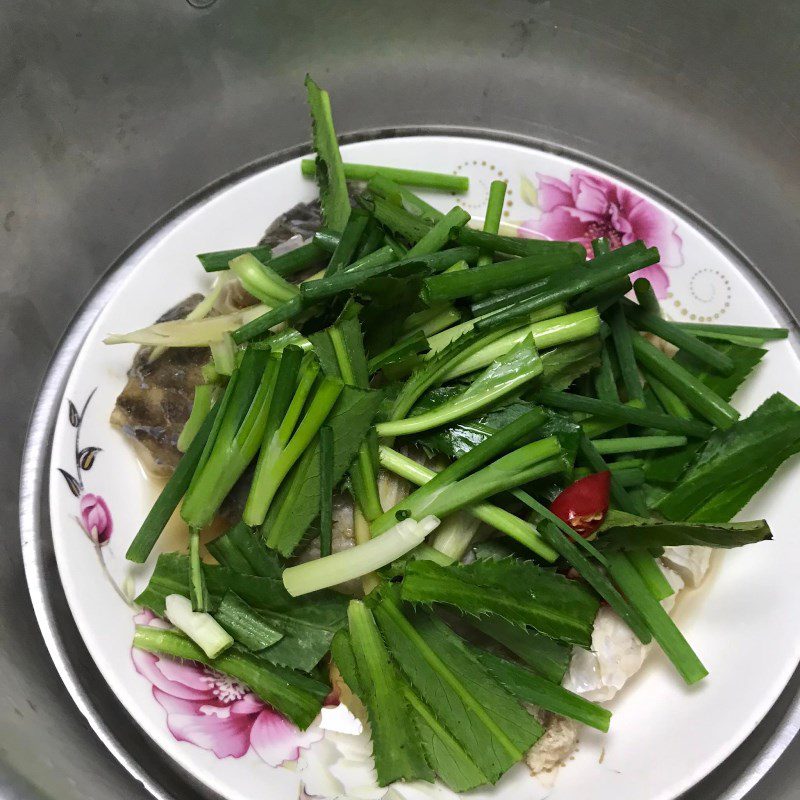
column 615, row 656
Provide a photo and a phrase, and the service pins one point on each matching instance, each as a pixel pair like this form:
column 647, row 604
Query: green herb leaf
column 406, row 348
column 621, row 531
column 397, row 752
column 450, row 761
column 565, row 364
column 329, row 170
column 446, row 756
column 341, row 352
column 517, row 591
column 296, row 505
column 433, row 371
column 735, row 463
column 389, row 308
column 502, row 377
column 307, row 625
column 486, row 720
column 543, row 655
column 532, row 688
column 245, row 624
column 241, row 550
column 744, row 361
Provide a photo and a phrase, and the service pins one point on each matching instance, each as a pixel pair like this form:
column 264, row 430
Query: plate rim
column 36, row 534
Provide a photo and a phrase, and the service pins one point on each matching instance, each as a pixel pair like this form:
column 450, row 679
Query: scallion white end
column 360, row 560
column 201, row 628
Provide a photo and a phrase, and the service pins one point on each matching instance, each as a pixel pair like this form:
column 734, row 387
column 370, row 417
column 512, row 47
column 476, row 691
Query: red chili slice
column 583, row 505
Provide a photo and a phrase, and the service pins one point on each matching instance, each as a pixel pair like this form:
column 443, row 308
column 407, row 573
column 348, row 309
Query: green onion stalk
column 527, row 463
column 219, row 260
column 511, row 274
column 494, row 213
column 346, row 565
column 570, row 283
column 172, row 493
column 668, row 400
column 619, row 414
column 679, row 337
column 663, row 629
column 430, row 321
column 546, row 333
column 345, row 250
column 203, row 400
column 262, row 281
column 646, row 296
column 401, row 196
column 502, row 377
column 518, row 246
column 581, row 555
column 239, row 429
column 687, row 386
column 282, row 448
column 438, row 236
column 408, row 177
column 438, row 340
column 498, row 442
column 504, row 521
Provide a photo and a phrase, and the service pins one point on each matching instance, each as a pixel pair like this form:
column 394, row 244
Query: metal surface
column 112, row 112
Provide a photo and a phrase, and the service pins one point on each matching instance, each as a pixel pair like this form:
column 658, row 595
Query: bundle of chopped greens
column 511, row 384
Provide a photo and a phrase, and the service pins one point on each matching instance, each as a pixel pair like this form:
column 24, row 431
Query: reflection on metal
column 162, row 778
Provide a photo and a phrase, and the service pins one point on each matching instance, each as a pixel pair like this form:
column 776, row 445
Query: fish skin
column 156, row 401
column 302, row 219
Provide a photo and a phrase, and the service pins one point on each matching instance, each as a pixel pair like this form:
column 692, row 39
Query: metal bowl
column 112, row 115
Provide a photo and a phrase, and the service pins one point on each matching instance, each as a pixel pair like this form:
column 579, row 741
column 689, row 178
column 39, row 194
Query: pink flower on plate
column 589, row 207
column 215, row 712
column 96, row 518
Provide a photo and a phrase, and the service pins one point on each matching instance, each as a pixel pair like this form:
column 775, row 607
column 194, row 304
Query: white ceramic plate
column 664, row 737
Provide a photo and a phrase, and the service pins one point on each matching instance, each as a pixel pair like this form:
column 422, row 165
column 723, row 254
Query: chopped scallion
column 408, row 177
column 347, row 565
column 199, row 626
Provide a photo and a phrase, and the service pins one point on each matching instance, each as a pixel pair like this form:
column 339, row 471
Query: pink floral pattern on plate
column 589, row 207
column 95, row 516
column 216, row 713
